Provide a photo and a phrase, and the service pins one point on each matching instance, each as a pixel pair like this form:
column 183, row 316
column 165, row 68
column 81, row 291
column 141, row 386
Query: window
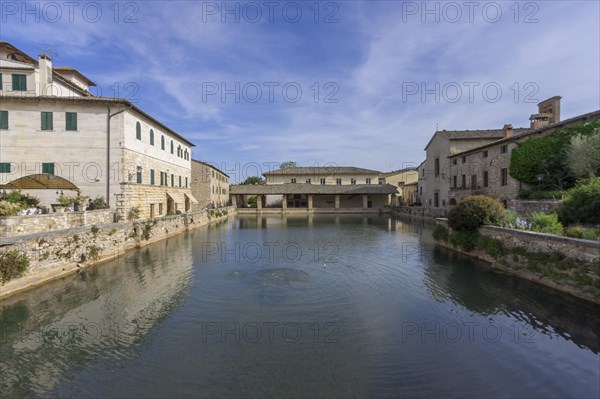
column 454, row 161
column 504, row 149
column 179, row 181
column 5, row 167
column 152, row 176
column 160, row 206
column 138, row 175
column 172, row 180
column 473, row 181
column 162, row 178
column 353, row 181
column 322, row 182
column 464, row 181
column 464, row 159
column 151, row 137
column 162, row 142
column 293, row 180
column 172, row 147
column 368, row 180
column 4, row 120
column 485, row 178
column 485, row 154
column 186, row 182
column 307, row 181
column 70, row 120
column 504, row 177
column 47, row 121
column 1, row 85
column 19, row 82
column 48, row 168
column 437, row 166
column 454, row 178
column 338, row 181
column 138, row 131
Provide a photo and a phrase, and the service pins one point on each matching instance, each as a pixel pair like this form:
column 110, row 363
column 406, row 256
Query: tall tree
column 288, row 164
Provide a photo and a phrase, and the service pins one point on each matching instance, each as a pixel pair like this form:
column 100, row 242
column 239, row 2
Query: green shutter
column 138, row 131
column 151, row 137
column 5, row 167
column 186, row 182
column 179, row 181
column 47, row 121
column 19, row 82
column 172, row 180
column 1, row 84
column 152, row 176
column 162, row 142
column 172, row 147
column 48, row 168
column 71, row 121
column 4, row 120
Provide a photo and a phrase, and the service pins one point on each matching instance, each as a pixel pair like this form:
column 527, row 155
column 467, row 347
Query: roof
column 473, row 134
column 19, row 54
column 305, row 188
column 321, row 170
column 395, row 172
column 40, row 182
column 75, row 72
column 100, row 100
column 211, row 166
column 591, row 116
column 540, row 116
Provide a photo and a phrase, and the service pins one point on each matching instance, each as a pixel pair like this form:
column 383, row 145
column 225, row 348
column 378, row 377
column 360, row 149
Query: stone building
column 51, row 124
column 319, row 189
column 210, row 186
column 405, row 180
column 485, row 169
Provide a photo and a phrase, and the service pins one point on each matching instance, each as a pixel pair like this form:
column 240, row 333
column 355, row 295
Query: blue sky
column 371, row 62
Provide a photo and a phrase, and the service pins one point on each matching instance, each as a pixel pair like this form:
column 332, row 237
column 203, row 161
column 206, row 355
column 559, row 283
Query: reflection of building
column 51, row 124
column 319, row 189
column 210, row 186
column 406, row 181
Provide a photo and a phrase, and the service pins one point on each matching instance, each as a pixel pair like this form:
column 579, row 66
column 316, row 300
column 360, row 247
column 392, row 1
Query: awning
column 191, row 197
column 176, row 197
column 40, row 182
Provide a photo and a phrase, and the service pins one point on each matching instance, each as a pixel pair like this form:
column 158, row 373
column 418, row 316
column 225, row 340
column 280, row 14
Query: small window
column 485, row 154
column 138, row 131
column 139, row 175
column 4, row 120
column 485, row 178
column 504, row 149
column 172, row 147
column 293, row 180
column 162, row 178
column 186, row 182
column 179, row 181
column 4, row 167
column 19, row 82
column 353, row 181
column 48, row 167
column 152, row 176
column 172, row 180
column 71, row 121
column 151, row 137
column 464, row 181
column 162, row 142
column 464, row 159
column 47, row 121
column 437, row 166
column 504, row 177
column 368, row 180
column 454, row 161
column 322, row 182
column 454, row 178
column 338, row 181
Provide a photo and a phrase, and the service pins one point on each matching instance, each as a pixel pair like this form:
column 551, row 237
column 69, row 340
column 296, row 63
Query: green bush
column 100, row 203
column 440, row 232
column 540, row 195
column 583, row 233
column 474, row 211
column 26, row 200
column 13, row 264
column 546, row 223
column 464, row 239
column 9, row 208
column 582, row 203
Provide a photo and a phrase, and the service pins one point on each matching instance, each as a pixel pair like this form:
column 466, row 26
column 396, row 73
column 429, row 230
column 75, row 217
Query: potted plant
column 63, row 202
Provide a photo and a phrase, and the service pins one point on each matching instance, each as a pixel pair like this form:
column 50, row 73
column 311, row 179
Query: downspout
column 108, row 117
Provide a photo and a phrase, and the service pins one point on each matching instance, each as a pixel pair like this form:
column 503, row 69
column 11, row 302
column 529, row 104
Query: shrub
column 474, row 211
column 9, row 208
column 546, row 223
column 540, row 195
column 465, row 239
column 582, row 203
column 583, row 233
column 440, row 233
column 25, row 200
column 100, row 203
column 13, row 264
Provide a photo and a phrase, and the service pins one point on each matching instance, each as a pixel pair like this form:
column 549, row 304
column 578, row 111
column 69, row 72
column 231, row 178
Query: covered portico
column 298, row 197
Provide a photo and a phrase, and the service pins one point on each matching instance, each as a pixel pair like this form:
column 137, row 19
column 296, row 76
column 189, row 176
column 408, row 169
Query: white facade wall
column 316, row 179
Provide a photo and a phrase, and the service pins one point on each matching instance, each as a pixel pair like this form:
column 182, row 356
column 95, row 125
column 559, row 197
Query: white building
column 51, row 124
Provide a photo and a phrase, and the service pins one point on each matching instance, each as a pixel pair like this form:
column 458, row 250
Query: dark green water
column 321, row 307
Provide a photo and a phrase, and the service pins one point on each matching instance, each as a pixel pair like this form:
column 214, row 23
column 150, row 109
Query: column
column 365, row 201
column 284, row 202
column 310, row 202
column 234, row 201
column 337, row 202
column 259, row 202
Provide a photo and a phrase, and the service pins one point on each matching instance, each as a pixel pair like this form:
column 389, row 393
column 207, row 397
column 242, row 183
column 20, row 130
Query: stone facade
column 23, row 225
column 210, row 186
column 527, row 207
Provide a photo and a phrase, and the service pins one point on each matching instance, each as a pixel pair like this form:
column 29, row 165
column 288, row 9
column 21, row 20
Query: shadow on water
column 458, row 278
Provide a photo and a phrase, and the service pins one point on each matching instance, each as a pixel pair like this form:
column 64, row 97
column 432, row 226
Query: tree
column 584, row 155
column 253, row 180
column 288, row 164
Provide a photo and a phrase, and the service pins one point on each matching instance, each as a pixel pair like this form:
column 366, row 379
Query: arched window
column 162, row 142
column 179, row 151
column 151, row 137
column 138, row 131
column 172, row 147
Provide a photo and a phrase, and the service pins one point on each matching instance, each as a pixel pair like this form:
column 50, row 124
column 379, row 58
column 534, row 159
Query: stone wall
column 53, row 254
column 22, row 225
column 421, row 211
column 527, row 207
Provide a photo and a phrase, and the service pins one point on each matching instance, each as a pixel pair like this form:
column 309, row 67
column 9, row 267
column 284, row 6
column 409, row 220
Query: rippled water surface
column 324, row 306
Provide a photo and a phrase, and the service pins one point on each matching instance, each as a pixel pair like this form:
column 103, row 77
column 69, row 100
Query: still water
column 324, row 306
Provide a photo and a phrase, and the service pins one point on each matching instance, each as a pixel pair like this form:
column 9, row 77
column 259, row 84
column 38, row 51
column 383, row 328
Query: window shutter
column 48, row 168
column 3, row 119
column 5, row 167
column 71, row 120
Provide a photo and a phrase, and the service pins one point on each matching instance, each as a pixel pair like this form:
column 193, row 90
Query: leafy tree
column 584, row 155
column 288, row 164
column 253, row 180
column 548, row 156
column 582, row 203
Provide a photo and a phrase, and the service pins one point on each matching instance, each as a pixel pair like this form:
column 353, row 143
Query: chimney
column 539, row 120
column 45, row 82
column 508, row 130
column 551, row 107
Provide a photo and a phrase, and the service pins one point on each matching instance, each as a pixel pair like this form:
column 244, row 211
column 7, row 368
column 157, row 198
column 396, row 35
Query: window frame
column 71, row 123
column 44, row 117
column 19, row 82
